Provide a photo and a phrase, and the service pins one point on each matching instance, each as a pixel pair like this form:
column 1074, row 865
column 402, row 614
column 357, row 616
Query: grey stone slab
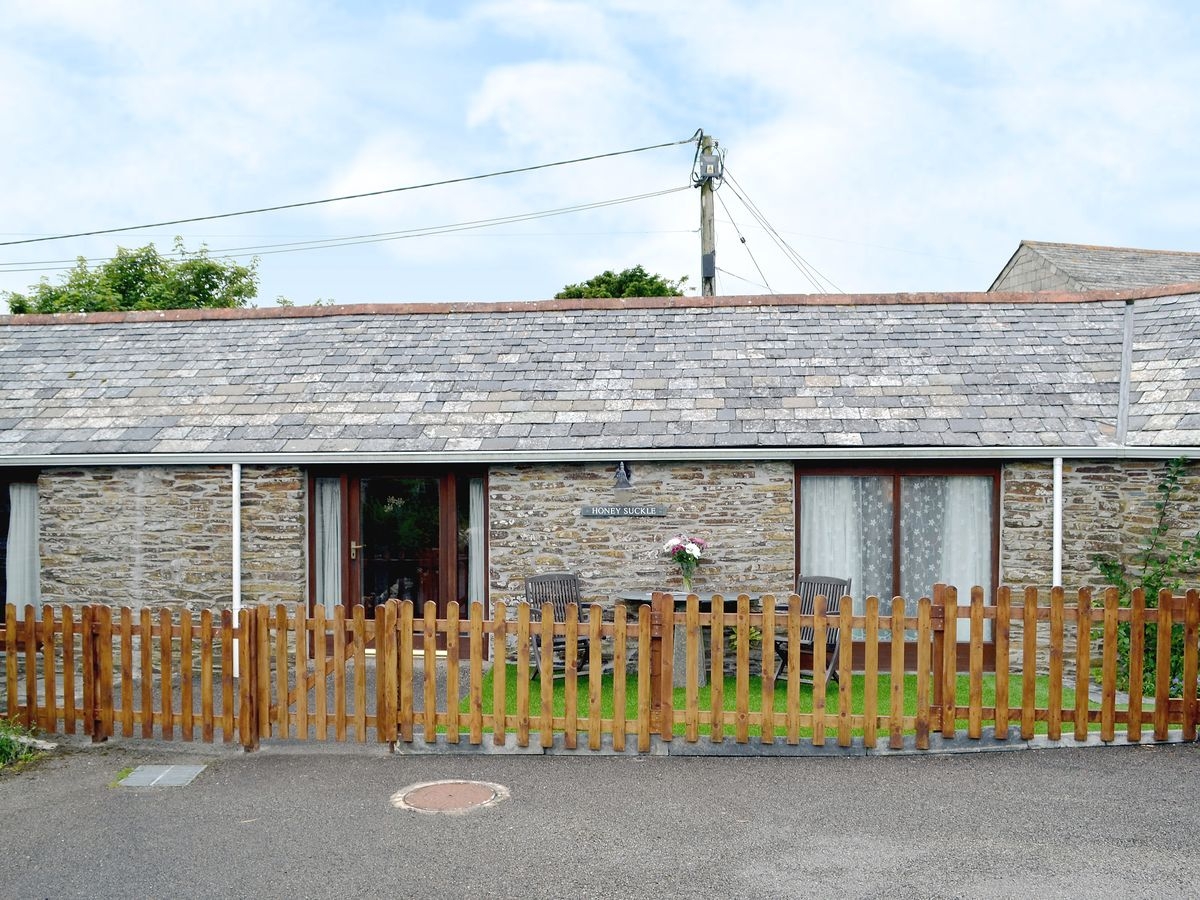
column 161, row 776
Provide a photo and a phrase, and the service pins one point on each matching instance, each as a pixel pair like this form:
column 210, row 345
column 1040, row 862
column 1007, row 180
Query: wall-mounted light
column 622, row 480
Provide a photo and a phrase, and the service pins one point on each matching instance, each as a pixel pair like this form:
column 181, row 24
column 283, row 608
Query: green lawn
column 704, row 695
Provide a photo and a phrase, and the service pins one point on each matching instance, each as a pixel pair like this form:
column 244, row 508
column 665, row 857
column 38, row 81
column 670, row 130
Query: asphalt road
column 319, row 823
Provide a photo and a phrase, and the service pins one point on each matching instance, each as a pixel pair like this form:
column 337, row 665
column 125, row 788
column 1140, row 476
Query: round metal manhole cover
column 450, row 797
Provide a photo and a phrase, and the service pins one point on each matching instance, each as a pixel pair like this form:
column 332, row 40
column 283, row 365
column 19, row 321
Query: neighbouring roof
column 931, row 370
column 1038, row 265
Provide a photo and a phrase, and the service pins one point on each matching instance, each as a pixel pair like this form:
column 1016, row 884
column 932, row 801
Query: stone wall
column 1108, row 509
column 161, row 535
column 744, row 510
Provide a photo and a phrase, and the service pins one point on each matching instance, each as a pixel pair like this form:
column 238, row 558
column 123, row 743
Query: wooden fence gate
column 277, row 673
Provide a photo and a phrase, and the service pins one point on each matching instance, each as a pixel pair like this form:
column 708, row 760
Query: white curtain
column 328, row 542
column 23, row 571
column 967, row 545
column 477, row 532
column 846, row 532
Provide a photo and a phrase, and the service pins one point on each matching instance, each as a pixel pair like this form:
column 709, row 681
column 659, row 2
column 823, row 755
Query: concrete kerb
column 677, row 746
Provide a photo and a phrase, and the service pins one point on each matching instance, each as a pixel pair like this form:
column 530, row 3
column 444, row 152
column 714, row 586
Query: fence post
column 950, row 663
column 248, row 679
column 937, row 622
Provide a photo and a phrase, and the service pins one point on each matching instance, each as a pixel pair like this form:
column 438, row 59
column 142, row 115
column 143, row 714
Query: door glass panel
column 470, row 555
column 399, row 550
column 327, row 546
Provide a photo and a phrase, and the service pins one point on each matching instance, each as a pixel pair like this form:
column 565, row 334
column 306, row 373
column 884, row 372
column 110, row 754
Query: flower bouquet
column 686, row 551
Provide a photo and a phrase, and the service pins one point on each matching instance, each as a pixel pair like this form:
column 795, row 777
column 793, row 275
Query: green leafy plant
column 1159, row 564
column 14, row 750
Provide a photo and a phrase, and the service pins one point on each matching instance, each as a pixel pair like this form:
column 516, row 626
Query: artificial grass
column 729, row 700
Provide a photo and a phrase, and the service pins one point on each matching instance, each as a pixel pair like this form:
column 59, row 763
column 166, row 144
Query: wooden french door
column 401, row 535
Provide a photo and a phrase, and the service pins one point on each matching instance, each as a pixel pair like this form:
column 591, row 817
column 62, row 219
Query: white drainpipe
column 1056, row 580
column 237, row 557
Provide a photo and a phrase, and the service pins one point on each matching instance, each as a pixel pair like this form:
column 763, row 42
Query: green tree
column 633, row 282
column 144, row 279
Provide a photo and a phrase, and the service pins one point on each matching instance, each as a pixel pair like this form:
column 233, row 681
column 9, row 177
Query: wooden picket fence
column 171, row 675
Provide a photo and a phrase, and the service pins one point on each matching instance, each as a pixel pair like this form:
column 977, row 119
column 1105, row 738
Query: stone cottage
column 343, row 455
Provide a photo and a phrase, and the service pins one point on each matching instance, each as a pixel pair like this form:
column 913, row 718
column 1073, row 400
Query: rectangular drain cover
column 161, row 776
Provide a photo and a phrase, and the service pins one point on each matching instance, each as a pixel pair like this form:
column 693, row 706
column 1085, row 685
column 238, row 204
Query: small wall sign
column 622, row 510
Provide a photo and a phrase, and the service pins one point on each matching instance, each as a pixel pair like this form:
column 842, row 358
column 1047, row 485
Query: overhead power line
column 749, row 253
column 379, row 193
column 375, row 238
column 809, row 271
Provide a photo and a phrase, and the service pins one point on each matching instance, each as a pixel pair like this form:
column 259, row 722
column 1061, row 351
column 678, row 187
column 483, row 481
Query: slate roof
column 983, row 370
column 1078, row 267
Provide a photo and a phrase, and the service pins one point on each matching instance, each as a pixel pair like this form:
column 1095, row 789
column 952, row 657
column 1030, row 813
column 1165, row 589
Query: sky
column 899, row 146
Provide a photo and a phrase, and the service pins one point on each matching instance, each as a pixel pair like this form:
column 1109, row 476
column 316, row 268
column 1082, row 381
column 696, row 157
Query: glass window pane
column 846, row 531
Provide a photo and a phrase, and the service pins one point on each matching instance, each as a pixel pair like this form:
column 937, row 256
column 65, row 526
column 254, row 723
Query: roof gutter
column 613, row 454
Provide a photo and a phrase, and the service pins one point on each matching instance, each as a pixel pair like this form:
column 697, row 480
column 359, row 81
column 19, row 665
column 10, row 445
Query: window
column 20, row 564
column 898, row 531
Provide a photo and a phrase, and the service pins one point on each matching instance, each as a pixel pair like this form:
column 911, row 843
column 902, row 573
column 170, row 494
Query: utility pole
column 708, row 170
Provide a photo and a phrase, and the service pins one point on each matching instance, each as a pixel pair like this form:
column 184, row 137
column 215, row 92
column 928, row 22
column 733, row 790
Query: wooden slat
column 924, row 670
column 1108, row 678
column 792, row 713
column 1029, row 663
column 87, row 664
column 247, row 695
column 571, row 679
column 666, row 672
column 871, row 673
column 1191, row 630
column 187, row 721
column 691, row 730
column 939, row 641
column 546, row 632
column 360, row 674
column 1137, row 656
column 302, row 680
column 146, row 670
column 429, row 650
column 896, row 719
column 406, row 724
column 742, row 703
column 768, row 669
column 475, row 715
column 499, row 675
column 1000, row 636
column 1083, row 662
column 595, row 676
column 11, row 669
column 453, row 629
column 820, row 684
column 49, row 667
column 70, row 712
column 339, row 673
column 1162, row 666
column 320, row 675
column 282, row 669
column 716, row 679
column 523, row 648
column 31, row 681
column 206, row 676
column 950, row 662
column 620, row 657
column 228, row 698
column 165, row 668
column 1057, row 634
column 845, row 673
column 643, row 678
column 975, row 678
column 262, row 649
column 105, row 688
column 387, row 671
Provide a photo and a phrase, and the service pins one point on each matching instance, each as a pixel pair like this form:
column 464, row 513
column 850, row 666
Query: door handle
column 354, row 548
